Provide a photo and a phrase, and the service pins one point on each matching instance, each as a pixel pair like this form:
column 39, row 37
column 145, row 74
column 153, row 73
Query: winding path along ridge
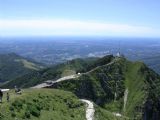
column 90, row 107
column 89, row 110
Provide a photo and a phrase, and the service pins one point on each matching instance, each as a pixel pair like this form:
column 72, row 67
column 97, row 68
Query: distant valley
column 55, row 50
column 92, row 80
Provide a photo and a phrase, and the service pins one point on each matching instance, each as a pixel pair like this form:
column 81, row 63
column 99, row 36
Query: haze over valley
column 55, row 50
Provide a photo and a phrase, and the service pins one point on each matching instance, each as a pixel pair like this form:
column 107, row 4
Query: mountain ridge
column 134, row 77
column 13, row 66
column 113, row 83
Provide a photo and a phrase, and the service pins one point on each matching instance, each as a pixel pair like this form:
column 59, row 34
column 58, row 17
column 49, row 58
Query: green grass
column 68, row 72
column 42, row 104
column 13, row 66
column 135, row 84
column 100, row 84
column 29, row 65
column 55, row 72
column 114, row 106
column 103, row 114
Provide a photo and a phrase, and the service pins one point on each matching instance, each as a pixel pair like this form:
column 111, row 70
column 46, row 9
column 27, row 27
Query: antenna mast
column 118, row 53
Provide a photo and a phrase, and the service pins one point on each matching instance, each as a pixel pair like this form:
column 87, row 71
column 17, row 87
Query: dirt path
column 89, row 110
column 125, row 99
column 101, row 66
column 51, row 82
column 90, row 107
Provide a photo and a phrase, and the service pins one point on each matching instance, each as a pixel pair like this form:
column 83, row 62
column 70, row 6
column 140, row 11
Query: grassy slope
column 13, row 66
column 103, row 114
column 28, row 64
column 48, row 104
column 99, row 85
column 135, row 82
column 93, row 83
column 55, row 72
column 43, row 104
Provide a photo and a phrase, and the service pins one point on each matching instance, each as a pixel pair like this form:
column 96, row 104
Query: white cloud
column 71, row 27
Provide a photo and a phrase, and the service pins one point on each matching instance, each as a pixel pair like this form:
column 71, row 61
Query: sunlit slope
column 119, row 86
column 13, row 66
column 42, row 104
column 123, row 87
column 53, row 73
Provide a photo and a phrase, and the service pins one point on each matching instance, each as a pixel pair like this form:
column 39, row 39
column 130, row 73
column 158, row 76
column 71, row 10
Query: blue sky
column 130, row 18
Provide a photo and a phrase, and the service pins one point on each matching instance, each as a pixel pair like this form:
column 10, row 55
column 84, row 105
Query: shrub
column 13, row 114
column 33, row 110
column 27, row 114
column 17, row 104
